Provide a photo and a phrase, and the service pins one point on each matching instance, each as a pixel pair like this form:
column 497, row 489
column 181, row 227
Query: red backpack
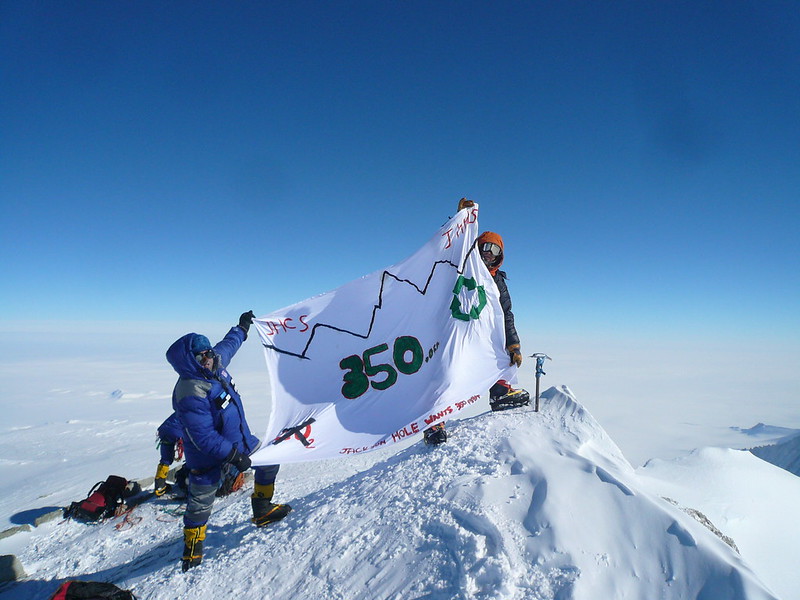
column 103, row 500
column 90, row 590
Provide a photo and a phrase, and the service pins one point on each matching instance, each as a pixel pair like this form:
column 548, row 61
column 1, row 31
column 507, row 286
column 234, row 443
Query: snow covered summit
column 515, row 505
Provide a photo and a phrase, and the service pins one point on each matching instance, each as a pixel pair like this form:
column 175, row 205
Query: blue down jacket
column 208, row 405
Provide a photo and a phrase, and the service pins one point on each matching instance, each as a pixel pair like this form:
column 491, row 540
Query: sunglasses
column 205, row 354
column 493, row 248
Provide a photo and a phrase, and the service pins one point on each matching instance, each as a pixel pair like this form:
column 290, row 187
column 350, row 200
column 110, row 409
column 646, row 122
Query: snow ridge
column 516, row 505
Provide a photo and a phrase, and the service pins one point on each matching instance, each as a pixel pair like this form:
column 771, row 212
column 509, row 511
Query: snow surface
column 752, row 502
column 516, row 505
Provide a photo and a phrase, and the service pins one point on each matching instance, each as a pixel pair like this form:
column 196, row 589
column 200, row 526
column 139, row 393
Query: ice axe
column 540, row 358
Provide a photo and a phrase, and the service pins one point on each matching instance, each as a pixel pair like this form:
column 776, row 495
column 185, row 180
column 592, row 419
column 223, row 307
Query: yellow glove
column 515, row 354
column 464, row 203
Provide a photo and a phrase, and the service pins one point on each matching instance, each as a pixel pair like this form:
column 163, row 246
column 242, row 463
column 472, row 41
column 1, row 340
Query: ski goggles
column 494, row 249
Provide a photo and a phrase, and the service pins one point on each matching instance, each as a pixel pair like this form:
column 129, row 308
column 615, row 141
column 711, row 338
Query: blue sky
column 191, row 160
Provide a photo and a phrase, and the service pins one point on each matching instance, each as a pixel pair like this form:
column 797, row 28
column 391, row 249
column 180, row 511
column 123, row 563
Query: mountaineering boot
column 502, row 396
column 161, row 486
column 264, row 511
column 192, row 546
column 435, row 435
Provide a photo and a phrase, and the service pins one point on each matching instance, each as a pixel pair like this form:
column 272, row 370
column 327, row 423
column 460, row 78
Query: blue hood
column 180, row 356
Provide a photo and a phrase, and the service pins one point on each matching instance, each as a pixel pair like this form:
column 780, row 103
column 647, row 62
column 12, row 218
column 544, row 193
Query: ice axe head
column 540, row 358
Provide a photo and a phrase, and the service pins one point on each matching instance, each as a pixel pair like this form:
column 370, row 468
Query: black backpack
column 90, row 590
column 103, row 500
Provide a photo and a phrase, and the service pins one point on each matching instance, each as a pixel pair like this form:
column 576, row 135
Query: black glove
column 239, row 460
column 246, row 319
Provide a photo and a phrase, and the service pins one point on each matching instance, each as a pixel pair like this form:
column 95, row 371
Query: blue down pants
column 203, row 489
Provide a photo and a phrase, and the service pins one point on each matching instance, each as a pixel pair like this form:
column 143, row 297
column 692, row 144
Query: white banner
column 386, row 356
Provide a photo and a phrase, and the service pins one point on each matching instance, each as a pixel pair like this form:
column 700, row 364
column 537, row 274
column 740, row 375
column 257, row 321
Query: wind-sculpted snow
column 516, row 505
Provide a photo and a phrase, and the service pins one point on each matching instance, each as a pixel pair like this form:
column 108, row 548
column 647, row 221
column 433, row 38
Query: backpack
column 103, row 500
column 90, row 590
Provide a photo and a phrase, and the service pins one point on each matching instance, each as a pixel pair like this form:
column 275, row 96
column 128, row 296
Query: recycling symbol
column 455, row 306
